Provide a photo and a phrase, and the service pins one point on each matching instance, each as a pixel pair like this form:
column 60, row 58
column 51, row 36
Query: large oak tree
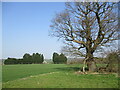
column 86, row 26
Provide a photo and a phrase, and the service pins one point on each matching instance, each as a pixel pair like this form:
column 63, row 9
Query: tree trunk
column 84, row 64
column 92, row 67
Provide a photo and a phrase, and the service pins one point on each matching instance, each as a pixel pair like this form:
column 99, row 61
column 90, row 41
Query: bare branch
column 87, row 24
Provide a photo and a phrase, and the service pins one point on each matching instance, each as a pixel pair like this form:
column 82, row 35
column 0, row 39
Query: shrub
column 112, row 59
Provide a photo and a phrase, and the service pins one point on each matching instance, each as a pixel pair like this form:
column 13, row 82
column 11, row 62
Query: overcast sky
column 26, row 28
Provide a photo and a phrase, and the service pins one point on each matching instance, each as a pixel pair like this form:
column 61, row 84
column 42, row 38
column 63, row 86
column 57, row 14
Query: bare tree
column 86, row 25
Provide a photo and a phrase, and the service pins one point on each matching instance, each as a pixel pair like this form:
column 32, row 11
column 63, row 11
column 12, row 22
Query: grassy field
column 54, row 76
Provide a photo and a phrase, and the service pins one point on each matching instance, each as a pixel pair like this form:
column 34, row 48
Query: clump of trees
column 59, row 59
column 35, row 58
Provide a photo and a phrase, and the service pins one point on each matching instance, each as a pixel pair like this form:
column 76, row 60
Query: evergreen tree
column 37, row 58
column 63, row 58
column 27, row 59
column 42, row 58
column 55, row 57
column 33, row 58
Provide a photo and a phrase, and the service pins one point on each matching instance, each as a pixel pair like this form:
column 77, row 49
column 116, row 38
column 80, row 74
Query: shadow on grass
column 69, row 69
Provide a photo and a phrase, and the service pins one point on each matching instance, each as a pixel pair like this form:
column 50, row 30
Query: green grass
column 54, row 76
column 13, row 72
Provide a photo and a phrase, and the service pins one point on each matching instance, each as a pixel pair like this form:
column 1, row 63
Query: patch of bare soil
column 94, row 73
column 80, row 72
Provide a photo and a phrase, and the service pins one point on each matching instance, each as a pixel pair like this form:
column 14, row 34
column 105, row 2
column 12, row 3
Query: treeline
column 35, row 58
column 59, row 59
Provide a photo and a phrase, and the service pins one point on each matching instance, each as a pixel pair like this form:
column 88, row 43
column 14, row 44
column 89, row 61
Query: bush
column 112, row 59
